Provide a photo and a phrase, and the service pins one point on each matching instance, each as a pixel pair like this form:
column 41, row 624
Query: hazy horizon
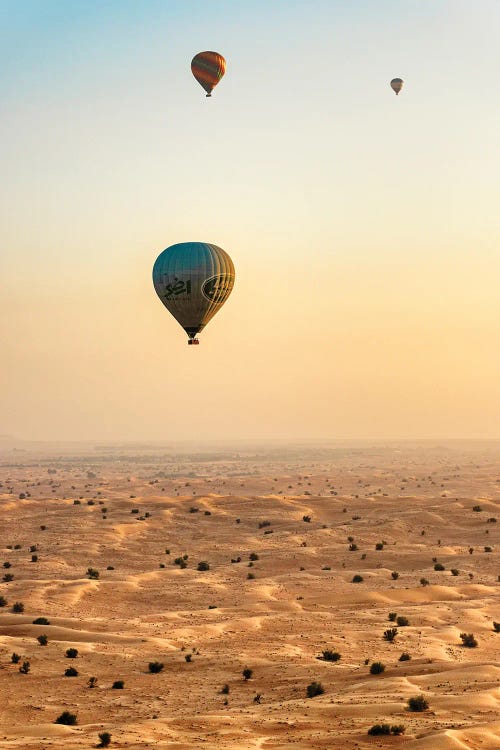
column 364, row 227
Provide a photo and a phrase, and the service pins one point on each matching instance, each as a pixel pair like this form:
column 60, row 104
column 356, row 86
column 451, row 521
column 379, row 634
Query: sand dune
column 282, row 552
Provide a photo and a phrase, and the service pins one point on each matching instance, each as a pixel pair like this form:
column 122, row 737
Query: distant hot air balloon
column 193, row 280
column 397, row 85
column 208, row 68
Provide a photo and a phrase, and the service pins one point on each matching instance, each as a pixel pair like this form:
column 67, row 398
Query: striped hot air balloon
column 193, row 280
column 208, row 68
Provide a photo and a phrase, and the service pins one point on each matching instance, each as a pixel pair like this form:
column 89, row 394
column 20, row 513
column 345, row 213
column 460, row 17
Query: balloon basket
column 193, row 342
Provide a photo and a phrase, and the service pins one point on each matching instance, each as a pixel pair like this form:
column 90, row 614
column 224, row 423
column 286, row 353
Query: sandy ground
column 275, row 614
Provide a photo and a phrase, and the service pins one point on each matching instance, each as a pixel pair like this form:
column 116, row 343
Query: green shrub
column 378, row 729
column 155, row 667
column 468, row 640
column 330, row 656
column 417, row 703
column 390, row 634
column 314, row 689
column 66, row 718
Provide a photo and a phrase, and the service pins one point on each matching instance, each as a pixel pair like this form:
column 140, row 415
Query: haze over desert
column 105, row 543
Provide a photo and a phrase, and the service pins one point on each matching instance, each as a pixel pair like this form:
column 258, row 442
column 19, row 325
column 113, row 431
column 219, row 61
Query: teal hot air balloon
column 193, row 280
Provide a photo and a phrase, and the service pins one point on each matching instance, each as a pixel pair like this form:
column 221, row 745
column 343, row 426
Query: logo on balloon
column 217, row 288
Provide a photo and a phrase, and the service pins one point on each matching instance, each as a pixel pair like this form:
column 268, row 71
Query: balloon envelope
column 208, row 68
column 397, row 85
column 193, row 280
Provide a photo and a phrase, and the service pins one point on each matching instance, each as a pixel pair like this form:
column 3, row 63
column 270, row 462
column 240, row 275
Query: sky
column 364, row 227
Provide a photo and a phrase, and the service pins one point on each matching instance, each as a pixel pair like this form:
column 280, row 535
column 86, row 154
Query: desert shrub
column 353, row 547
column 253, row 556
column 15, row 658
column 394, row 575
column 471, row 550
column 155, row 667
column 250, row 576
column 468, row 640
column 402, row 622
column 118, row 685
column 41, row 621
column 71, row 653
column 225, row 690
column 110, row 567
column 417, row 703
column 194, row 509
column 42, row 528
column 90, row 502
column 314, row 689
column 8, row 577
column 357, row 578
column 488, row 549
column 77, row 502
column 496, row 627
column 398, row 729
column 439, row 566
column 377, row 667
column 42, row 640
column 390, row 634
column 247, row 673
column 25, row 667
column 66, row 718
column 454, row 572
column 105, row 738
column 477, row 509
column 405, row 656
column 263, row 524
column 7, row 564
column 92, row 682
column 71, row 672
column 3, row 601
column 424, row 582
column 330, row 656
column 306, row 519
column 257, row 698
column 34, row 558
column 18, row 608
column 270, row 531
column 189, row 658
column 203, row 565
column 491, row 520
column 378, row 729
column 392, row 616
column 92, row 573
column 379, row 546
column 178, row 561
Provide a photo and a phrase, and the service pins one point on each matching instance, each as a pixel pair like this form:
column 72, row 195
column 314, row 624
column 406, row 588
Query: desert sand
column 311, row 518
